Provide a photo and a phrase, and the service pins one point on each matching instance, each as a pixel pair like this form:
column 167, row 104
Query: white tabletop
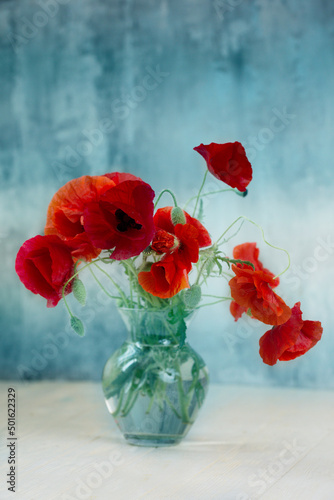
column 247, row 443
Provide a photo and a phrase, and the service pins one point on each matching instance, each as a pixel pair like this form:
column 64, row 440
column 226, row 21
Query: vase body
column 155, row 383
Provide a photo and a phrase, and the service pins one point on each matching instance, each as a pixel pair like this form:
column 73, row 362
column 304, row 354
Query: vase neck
column 156, row 326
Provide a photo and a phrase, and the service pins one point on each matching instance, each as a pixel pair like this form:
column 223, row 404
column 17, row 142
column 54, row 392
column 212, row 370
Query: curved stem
column 124, row 297
column 69, row 280
column 263, row 237
column 102, row 287
column 166, row 191
column 209, row 193
column 215, row 302
column 215, row 296
column 202, row 268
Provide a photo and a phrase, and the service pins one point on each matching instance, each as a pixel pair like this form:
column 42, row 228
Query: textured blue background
column 228, row 70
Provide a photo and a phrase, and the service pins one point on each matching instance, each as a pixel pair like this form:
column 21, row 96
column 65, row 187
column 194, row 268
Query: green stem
column 172, row 407
column 182, row 398
column 100, row 284
column 212, row 303
column 166, row 191
column 199, row 192
column 214, row 296
column 202, row 269
column 149, row 408
column 124, row 297
column 263, row 237
column 134, row 393
column 68, row 281
column 209, row 193
column 116, row 412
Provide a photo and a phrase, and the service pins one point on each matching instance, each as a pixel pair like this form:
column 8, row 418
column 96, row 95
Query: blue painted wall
column 261, row 72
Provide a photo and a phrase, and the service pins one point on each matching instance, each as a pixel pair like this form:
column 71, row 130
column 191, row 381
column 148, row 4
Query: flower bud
column 177, row 216
column 192, row 296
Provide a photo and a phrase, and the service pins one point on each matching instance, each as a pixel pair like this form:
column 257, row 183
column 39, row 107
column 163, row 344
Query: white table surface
column 247, row 443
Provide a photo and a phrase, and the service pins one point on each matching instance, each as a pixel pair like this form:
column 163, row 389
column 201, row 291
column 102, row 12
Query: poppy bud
column 192, row 296
column 177, row 216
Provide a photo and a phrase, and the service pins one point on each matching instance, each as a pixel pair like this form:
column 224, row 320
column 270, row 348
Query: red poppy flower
column 291, row 339
column 189, row 237
column 253, row 290
column 163, row 220
column 181, row 244
column 122, row 218
column 228, row 163
column 185, row 248
column 118, row 177
column 165, row 279
column 250, row 253
column 236, row 310
column 44, row 264
column 65, row 213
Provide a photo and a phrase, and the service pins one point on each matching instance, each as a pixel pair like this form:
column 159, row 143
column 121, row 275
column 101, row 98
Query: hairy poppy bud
column 177, row 216
column 192, row 296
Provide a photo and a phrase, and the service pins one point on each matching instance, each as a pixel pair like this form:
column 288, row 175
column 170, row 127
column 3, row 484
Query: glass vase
column 155, row 383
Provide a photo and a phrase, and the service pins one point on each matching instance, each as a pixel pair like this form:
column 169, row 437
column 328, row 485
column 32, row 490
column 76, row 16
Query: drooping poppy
column 165, row 278
column 44, row 264
column 291, row 339
column 253, row 290
column 122, row 219
column 228, row 162
column 248, row 252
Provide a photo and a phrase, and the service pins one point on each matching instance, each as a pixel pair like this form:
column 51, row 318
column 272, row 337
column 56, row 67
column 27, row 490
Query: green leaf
column 220, row 267
column 79, row 291
column 77, row 326
column 209, row 266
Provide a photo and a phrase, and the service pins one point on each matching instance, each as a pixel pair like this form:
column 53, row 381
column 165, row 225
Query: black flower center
column 125, row 222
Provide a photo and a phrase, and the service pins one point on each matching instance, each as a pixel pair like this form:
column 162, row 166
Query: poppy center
column 125, row 221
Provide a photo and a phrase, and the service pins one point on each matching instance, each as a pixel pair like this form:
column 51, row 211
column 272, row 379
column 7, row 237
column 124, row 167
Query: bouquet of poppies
column 167, row 254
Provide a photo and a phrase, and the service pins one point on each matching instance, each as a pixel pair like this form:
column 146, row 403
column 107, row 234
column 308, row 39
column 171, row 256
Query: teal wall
column 223, row 71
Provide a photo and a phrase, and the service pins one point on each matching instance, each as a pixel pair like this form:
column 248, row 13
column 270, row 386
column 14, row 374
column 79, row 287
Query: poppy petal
column 227, row 162
column 291, row 339
column 122, row 219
